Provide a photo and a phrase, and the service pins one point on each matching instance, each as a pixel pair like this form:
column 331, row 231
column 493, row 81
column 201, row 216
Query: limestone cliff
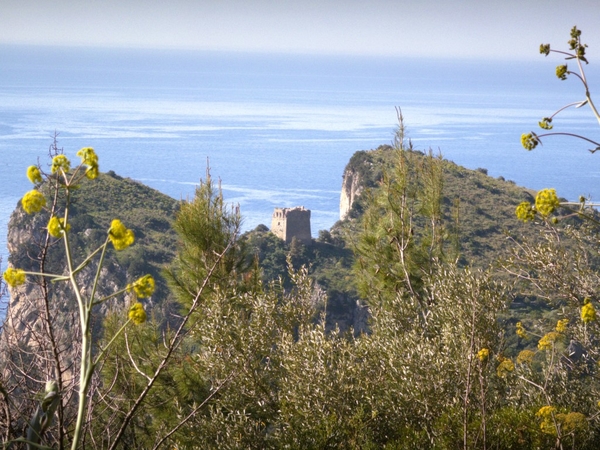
column 364, row 170
column 351, row 189
column 30, row 251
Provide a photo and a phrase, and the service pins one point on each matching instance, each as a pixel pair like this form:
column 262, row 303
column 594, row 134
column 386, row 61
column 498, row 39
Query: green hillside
column 478, row 208
column 478, row 213
column 94, row 205
column 479, row 223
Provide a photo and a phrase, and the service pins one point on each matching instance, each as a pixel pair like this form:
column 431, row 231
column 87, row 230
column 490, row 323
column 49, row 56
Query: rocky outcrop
column 94, row 205
column 36, row 301
column 40, row 337
column 363, row 171
column 351, row 189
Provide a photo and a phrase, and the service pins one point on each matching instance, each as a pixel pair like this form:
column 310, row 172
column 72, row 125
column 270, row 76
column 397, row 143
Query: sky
column 499, row 29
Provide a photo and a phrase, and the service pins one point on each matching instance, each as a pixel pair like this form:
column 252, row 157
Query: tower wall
column 288, row 223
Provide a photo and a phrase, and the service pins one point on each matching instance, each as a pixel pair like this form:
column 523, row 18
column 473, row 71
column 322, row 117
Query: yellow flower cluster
column 561, row 325
column 525, row 212
column 14, row 277
column 143, row 287
column 529, row 141
column 546, row 413
column 548, row 340
column 33, row 201
column 545, row 123
column 545, row 49
column 546, row 201
column 119, row 235
column 483, row 354
column 34, row 174
column 525, row 357
column 561, row 71
column 505, row 367
column 137, row 314
column 60, row 162
column 567, row 423
column 89, row 158
column 56, row 226
column 521, row 331
column 588, row 312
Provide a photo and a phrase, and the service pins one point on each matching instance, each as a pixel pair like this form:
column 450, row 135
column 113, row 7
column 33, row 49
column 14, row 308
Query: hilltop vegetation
column 479, row 225
column 95, row 204
column 478, row 210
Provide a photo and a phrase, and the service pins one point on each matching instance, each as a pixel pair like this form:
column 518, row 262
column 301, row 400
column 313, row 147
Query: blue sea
column 278, row 129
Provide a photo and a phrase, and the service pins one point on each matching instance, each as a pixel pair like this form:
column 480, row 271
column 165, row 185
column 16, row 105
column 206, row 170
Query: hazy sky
column 451, row 28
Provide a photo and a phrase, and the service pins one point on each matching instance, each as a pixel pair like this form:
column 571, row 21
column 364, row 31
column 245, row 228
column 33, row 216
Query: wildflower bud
column 60, row 162
column 581, row 53
column 549, row 419
column 588, row 312
column 137, row 314
column 119, row 235
column 14, row 277
column 561, row 71
column 529, row 141
column 561, row 325
column 573, row 421
column 525, row 212
column 483, row 354
column 545, row 49
column 34, row 174
column 56, row 226
column 546, row 202
column 545, row 123
column 548, row 340
column 92, row 172
column 573, row 43
column 143, row 287
column 545, row 411
column 89, row 158
column 33, row 201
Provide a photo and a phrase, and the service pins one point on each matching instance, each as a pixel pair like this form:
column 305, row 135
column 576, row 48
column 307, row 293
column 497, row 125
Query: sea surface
column 278, row 129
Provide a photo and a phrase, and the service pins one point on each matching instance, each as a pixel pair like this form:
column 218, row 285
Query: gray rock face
column 33, row 251
column 351, row 189
column 93, row 206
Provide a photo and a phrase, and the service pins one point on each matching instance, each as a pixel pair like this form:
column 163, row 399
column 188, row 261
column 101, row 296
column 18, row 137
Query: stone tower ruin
column 288, row 223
